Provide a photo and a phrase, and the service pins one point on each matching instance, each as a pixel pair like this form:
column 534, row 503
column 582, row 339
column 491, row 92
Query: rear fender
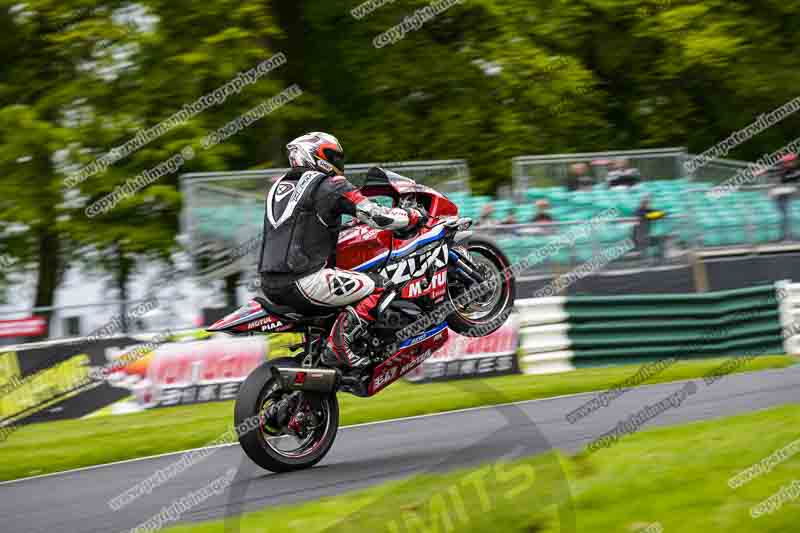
column 251, row 317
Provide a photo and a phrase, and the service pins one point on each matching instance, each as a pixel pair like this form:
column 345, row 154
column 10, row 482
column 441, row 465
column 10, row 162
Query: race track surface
column 369, row 454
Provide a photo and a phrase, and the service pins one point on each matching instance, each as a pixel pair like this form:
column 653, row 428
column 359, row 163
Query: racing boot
column 348, row 328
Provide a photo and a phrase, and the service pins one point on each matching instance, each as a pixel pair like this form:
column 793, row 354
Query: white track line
column 353, row 426
column 365, row 424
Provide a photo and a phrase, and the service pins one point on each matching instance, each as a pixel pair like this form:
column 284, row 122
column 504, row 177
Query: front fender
column 462, row 236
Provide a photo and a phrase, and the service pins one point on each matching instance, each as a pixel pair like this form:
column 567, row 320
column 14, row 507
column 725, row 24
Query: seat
column 283, row 311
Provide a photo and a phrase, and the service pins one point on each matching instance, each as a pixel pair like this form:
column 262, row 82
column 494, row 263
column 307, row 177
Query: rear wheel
column 299, row 437
column 480, row 309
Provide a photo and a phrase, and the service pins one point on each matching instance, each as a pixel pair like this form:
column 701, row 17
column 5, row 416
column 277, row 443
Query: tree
column 53, row 53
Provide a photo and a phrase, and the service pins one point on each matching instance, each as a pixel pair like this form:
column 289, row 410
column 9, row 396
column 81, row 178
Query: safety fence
column 111, row 374
column 77, row 377
column 223, row 212
column 118, row 374
column 563, row 333
column 790, row 315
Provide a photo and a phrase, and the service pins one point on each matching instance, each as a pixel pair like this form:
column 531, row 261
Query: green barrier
column 742, row 301
column 645, row 327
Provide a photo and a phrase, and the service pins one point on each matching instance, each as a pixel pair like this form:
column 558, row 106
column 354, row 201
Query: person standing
column 785, row 187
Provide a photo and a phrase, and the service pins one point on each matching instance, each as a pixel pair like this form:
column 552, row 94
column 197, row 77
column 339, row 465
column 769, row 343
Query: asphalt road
column 370, row 454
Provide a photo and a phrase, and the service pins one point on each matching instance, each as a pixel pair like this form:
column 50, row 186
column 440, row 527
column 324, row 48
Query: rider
column 304, row 211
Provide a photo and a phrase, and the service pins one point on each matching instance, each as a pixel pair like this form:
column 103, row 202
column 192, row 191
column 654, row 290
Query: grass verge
column 55, row 446
column 667, row 479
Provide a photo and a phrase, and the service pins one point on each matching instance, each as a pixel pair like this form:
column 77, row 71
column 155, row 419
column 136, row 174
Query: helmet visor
column 335, row 158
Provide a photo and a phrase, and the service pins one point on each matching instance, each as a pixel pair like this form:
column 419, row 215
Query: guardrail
column 790, row 315
column 563, row 333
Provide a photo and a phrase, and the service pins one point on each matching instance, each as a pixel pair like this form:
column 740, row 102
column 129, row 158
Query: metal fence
column 718, row 170
column 224, row 211
column 558, row 247
column 748, row 217
column 554, row 170
column 104, row 318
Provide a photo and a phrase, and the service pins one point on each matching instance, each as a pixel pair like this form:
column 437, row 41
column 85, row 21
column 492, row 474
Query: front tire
column 259, row 443
column 483, row 315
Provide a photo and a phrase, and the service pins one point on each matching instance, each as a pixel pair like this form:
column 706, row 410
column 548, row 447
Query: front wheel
column 482, row 308
column 302, row 433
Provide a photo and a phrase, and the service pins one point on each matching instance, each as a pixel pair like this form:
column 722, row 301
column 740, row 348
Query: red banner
column 33, row 326
column 461, row 356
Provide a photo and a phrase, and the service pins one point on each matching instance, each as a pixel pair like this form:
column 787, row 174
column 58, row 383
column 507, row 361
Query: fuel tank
column 363, row 248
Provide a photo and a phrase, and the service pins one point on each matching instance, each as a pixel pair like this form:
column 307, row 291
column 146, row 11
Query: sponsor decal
column 268, row 323
column 416, row 361
column 408, row 358
column 273, row 326
column 324, row 165
column 283, row 190
column 416, row 265
column 421, row 287
column 348, row 234
column 260, row 322
column 342, row 285
column 392, row 373
column 384, row 379
column 368, row 233
column 419, row 338
column 190, row 394
column 305, row 181
column 501, row 364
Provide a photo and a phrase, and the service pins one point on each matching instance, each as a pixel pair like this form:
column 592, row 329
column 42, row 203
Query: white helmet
column 317, row 150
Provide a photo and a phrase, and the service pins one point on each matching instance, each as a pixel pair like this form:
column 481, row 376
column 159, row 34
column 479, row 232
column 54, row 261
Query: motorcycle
column 440, row 277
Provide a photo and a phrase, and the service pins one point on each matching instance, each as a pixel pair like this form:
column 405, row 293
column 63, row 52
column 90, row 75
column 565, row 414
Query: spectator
column 579, row 178
column 542, row 215
column 509, row 219
column 622, row 175
column 485, row 219
column 787, row 176
column 641, row 232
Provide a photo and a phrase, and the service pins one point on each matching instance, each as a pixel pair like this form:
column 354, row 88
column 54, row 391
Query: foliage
column 485, row 80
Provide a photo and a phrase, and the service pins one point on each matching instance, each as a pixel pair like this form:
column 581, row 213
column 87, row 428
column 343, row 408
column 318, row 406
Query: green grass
column 676, row 477
column 54, row 446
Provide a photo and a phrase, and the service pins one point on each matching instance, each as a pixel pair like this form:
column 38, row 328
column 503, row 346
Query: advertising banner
column 71, row 379
column 191, row 372
column 51, row 380
column 33, row 326
column 462, row 357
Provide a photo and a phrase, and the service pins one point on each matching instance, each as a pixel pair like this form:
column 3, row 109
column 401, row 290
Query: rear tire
column 489, row 319
column 249, row 404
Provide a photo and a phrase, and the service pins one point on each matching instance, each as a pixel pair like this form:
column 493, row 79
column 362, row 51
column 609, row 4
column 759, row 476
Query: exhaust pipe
column 307, row 379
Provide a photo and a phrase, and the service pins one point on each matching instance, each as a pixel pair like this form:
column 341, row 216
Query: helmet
column 317, row 150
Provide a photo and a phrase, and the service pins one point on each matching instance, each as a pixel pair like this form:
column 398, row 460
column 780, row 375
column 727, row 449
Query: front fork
column 462, row 268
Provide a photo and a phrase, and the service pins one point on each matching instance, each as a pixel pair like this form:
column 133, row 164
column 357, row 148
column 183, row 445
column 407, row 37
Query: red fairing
column 420, row 286
column 405, row 361
column 251, row 310
column 442, row 207
column 355, row 197
column 250, row 317
column 270, row 324
column 359, row 244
